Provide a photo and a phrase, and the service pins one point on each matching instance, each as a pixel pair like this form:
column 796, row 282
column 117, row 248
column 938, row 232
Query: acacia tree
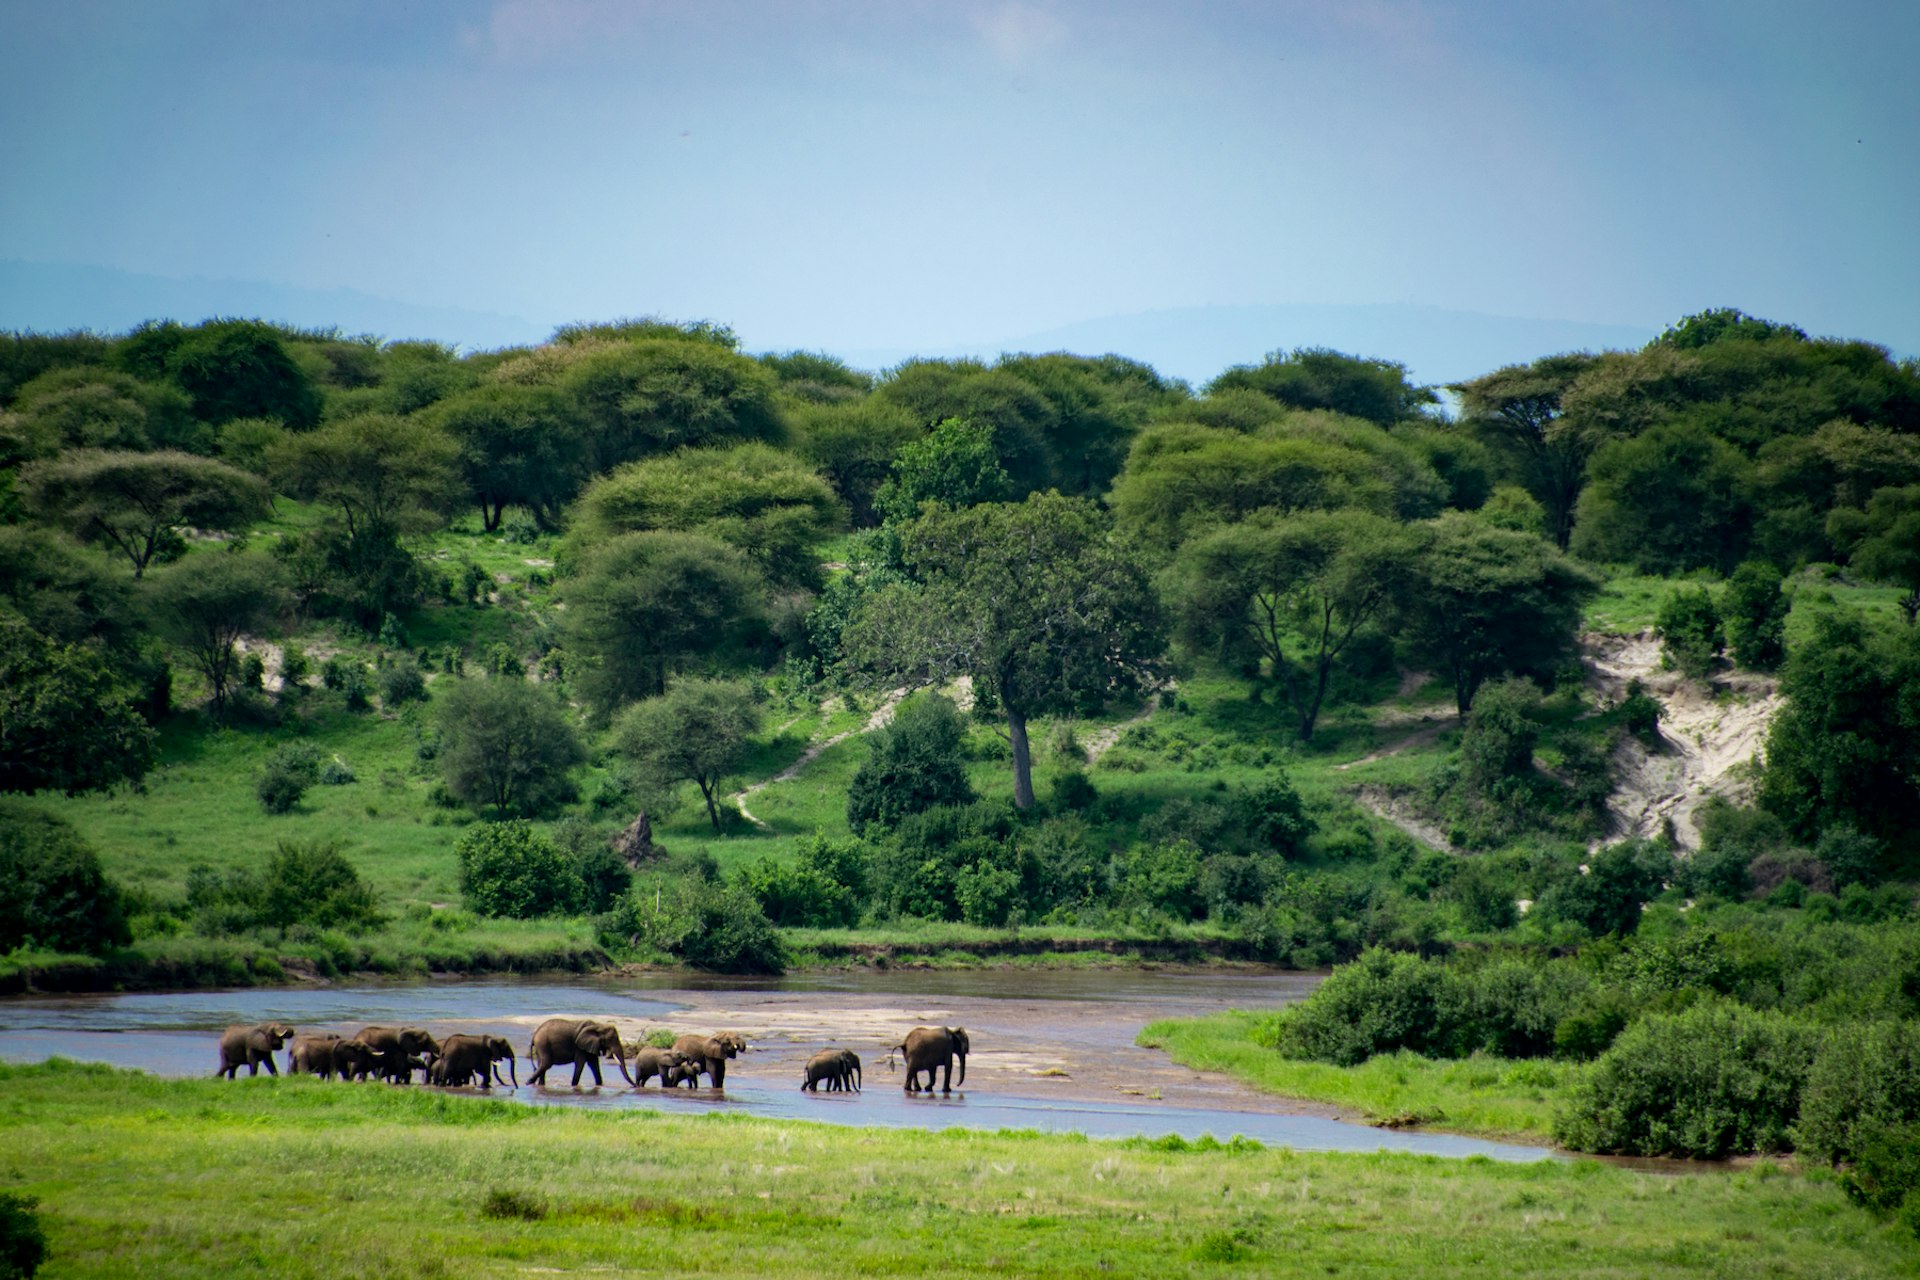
column 1517, row 411
column 1295, row 591
column 1319, row 378
column 1488, row 601
column 520, row 446
column 208, row 604
column 696, row 732
column 506, row 743
column 1034, row 600
column 647, row 605
column 137, row 502
column 67, row 723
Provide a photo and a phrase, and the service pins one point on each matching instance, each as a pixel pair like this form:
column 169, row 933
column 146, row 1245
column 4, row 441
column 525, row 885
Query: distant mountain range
column 1437, row 345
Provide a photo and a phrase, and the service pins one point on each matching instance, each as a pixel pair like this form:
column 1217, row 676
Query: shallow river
column 1051, row 1050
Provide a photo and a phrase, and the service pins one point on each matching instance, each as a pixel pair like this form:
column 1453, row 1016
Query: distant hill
column 1436, row 344
column 54, row 297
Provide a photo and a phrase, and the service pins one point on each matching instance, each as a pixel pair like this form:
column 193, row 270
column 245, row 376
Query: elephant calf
column 670, row 1065
column 398, row 1054
column 251, row 1047
column 838, row 1069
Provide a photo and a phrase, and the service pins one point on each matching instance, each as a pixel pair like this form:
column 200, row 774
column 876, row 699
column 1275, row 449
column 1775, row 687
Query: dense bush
column 700, row 922
column 285, row 777
column 402, row 681
column 304, row 882
column 1620, row 878
column 1862, row 1109
column 1690, row 632
column 53, row 894
column 509, row 869
column 1755, row 610
column 1713, row 1081
column 915, row 763
column 23, row 1244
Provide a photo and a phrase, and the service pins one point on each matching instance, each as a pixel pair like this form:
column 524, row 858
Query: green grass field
column 138, row 1176
column 1490, row 1097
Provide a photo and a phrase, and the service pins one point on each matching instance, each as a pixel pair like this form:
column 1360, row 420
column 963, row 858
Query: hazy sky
column 879, row 174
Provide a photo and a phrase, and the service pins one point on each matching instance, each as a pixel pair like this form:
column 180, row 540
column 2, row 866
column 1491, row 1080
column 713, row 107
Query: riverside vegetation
column 327, row 654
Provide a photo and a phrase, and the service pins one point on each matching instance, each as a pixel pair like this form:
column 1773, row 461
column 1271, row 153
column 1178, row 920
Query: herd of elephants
column 395, row 1053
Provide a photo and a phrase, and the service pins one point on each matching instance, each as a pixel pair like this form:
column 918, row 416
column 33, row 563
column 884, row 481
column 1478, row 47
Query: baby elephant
column 251, row 1047
column 670, row 1065
column 838, row 1068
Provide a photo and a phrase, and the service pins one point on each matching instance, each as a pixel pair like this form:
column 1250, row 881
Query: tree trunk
column 1311, row 714
column 706, row 789
column 1022, row 761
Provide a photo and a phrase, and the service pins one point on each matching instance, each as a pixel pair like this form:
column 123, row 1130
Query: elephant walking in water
column 463, row 1057
column 931, row 1048
column 394, row 1052
column 671, row 1066
column 251, row 1047
column 328, row 1056
column 709, row 1054
column 558, row 1041
column 838, row 1069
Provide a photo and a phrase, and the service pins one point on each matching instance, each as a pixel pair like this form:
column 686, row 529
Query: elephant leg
column 267, row 1062
column 593, row 1064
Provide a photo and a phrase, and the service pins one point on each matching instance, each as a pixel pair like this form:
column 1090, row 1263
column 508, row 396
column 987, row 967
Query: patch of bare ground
column 1404, row 812
column 1101, row 741
column 1709, row 732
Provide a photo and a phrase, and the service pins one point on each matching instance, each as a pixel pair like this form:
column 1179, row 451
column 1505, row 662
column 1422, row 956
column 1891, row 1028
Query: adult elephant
column 394, row 1049
column 558, row 1041
column 251, row 1047
column 931, row 1048
column 463, row 1057
column 709, row 1054
column 311, row 1054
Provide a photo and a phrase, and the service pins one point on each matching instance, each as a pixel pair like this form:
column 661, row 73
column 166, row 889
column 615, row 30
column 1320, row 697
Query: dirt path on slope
column 882, row 714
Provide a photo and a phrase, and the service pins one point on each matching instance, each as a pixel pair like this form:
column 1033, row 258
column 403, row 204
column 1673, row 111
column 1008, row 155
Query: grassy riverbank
column 138, row 1175
column 1489, row 1097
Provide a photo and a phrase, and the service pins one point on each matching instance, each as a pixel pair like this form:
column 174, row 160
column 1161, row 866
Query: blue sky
column 856, row 175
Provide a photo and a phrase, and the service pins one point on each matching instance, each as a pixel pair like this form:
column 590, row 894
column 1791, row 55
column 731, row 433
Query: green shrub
column 1690, row 634
column 53, row 894
column 1640, row 713
column 285, row 777
column 402, row 681
column 311, row 882
column 1380, row 1003
column 348, row 678
column 1608, row 898
column 1713, row 1081
column 1756, row 610
column 710, row 926
column 1862, row 1109
column 509, row 869
column 1073, row 791
column 336, row 773
column 794, row 895
column 23, row 1244
column 915, row 763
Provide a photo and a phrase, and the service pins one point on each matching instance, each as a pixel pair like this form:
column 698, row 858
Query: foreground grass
column 139, row 1176
column 1486, row 1096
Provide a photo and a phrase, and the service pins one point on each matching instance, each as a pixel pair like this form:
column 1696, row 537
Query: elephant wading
column 709, row 1054
column 670, row 1065
column 558, row 1041
column 463, row 1057
column 930, row 1048
column 395, row 1051
column 328, row 1056
column 251, row 1047
column 838, row 1069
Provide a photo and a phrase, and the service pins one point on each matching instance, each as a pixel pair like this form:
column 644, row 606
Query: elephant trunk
column 620, row 1060
column 963, row 1068
column 512, row 1071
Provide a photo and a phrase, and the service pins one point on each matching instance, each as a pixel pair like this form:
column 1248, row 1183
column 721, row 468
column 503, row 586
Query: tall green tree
column 764, row 501
column 642, row 398
column 644, row 606
column 68, row 722
column 853, row 444
column 1518, row 412
column 1293, row 591
column 519, row 447
column 53, row 893
column 1035, row 600
column 506, row 744
column 242, row 369
column 1320, row 378
column 1883, row 541
column 208, row 604
column 90, row 407
column 137, row 503
column 1489, row 601
column 698, row 732
column 1669, row 500
column 954, row 465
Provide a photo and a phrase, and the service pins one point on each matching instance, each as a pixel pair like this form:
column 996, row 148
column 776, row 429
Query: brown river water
column 1052, row 1050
